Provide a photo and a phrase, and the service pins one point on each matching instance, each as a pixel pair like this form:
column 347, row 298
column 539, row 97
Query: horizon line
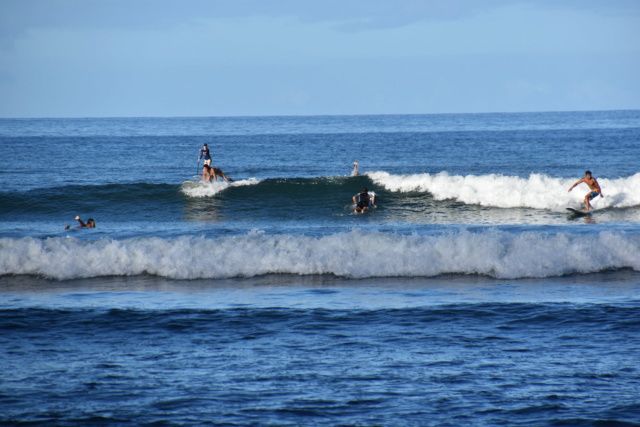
column 311, row 115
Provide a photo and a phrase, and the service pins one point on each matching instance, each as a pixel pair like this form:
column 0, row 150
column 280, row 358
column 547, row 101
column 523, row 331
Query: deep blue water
column 468, row 296
column 525, row 364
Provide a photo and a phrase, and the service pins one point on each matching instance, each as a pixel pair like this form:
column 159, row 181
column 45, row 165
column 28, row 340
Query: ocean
column 469, row 295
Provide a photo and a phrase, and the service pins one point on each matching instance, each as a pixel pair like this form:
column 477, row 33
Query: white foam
column 210, row 189
column 537, row 191
column 356, row 254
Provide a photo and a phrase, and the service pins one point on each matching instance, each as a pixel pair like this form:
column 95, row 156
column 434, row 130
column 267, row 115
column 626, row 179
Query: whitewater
column 537, row 191
column 355, row 254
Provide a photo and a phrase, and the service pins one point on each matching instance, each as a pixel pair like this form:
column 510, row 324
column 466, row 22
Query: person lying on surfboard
column 364, row 200
column 209, row 173
column 593, row 185
column 89, row 224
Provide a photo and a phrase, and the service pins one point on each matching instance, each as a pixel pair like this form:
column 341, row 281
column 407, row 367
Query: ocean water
column 468, row 296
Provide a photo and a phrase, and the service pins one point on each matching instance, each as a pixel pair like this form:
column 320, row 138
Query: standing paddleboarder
column 204, row 153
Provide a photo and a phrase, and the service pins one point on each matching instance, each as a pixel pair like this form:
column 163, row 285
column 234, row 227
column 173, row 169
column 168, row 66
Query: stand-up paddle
column 197, row 170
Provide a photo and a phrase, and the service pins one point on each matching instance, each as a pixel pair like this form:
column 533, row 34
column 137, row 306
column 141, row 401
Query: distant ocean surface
column 468, row 296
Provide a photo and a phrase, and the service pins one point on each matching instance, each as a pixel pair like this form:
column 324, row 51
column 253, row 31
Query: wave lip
column 355, row 254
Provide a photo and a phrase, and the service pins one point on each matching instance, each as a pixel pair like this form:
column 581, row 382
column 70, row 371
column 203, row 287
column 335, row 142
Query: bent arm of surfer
column 576, row 184
column 82, row 224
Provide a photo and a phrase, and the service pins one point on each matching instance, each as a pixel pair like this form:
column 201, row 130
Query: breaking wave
column 354, row 254
column 537, row 191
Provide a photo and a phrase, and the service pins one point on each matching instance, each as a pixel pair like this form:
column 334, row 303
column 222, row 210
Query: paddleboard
column 219, row 185
column 191, row 184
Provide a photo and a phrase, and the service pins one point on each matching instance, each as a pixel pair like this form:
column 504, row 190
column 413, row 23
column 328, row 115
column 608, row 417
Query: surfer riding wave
column 593, row 186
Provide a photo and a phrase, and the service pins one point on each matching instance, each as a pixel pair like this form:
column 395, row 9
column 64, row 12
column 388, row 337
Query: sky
column 201, row 58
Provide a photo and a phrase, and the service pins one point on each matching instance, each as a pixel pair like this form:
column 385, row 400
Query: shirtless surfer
column 593, row 185
column 209, row 173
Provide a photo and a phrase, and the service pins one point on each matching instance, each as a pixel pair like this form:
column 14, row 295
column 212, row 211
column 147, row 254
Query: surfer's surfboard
column 578, row 212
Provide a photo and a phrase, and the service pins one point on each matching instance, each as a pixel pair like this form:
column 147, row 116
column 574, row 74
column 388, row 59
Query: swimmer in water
column 89, row 224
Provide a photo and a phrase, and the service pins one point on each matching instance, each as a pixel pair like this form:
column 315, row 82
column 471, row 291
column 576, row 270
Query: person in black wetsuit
column 364, row 200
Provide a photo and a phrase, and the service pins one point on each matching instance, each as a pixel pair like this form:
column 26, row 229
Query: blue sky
column 173, row 58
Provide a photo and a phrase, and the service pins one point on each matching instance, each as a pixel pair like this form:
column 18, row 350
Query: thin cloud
column 16, row 17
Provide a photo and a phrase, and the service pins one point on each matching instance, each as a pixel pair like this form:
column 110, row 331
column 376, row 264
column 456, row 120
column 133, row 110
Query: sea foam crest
column 537, row 191
column 355, row 254
column 210, row 189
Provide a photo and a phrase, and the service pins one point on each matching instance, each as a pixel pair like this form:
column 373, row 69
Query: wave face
column 416, row 198
column 355, row 254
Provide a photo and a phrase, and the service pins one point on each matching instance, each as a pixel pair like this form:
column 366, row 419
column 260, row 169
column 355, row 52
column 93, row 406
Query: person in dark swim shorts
column 593, row 186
